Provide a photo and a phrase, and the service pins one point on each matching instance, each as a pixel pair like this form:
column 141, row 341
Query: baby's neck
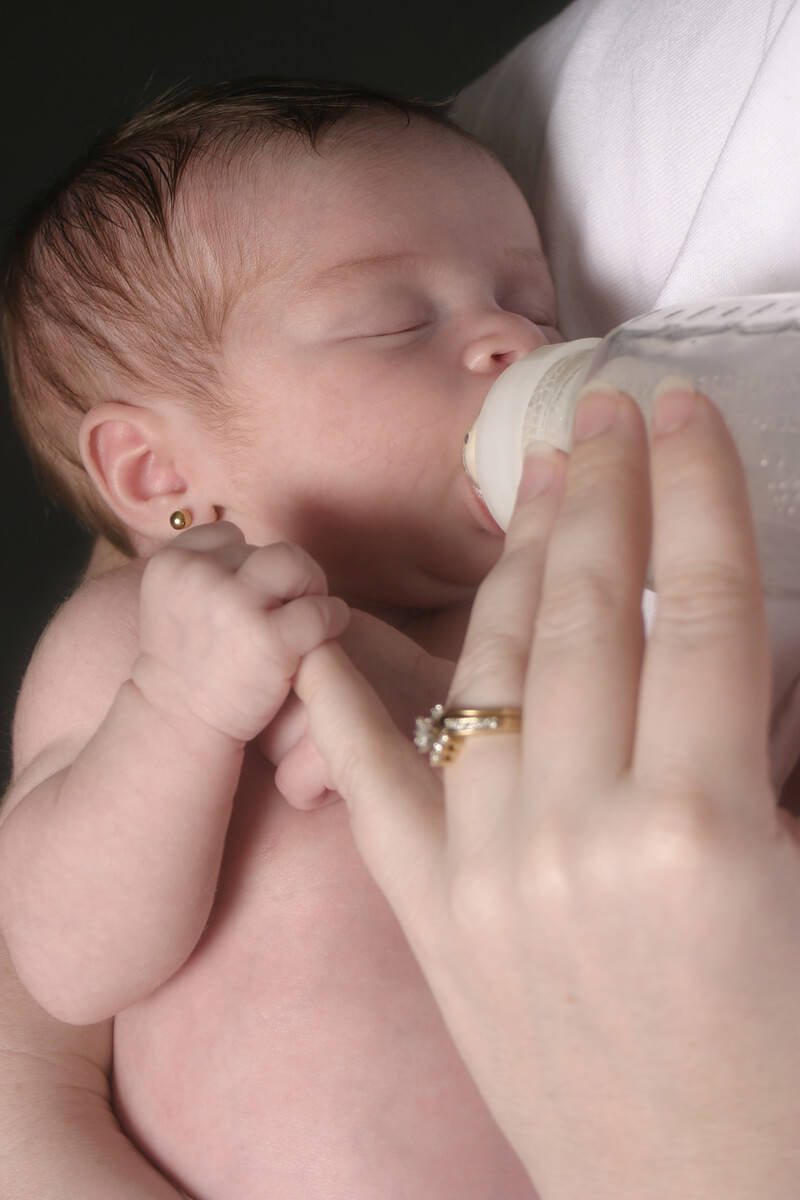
column 440, row 631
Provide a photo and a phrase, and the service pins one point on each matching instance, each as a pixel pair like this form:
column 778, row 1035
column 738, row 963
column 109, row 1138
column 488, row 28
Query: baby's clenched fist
column 224, row 625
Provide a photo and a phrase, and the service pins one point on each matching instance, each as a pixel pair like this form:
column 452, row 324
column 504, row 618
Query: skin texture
column 258, row 969
column 352, row 387
column 611, row 934
column 60, row 1136
column 657, row 849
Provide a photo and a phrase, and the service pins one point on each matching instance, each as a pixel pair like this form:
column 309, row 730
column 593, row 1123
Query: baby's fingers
column 302, row 777
column 215, row 535
column 222, row 541
column 704, row 701
column 303, row 624
column 301, row 774
column 281, row 571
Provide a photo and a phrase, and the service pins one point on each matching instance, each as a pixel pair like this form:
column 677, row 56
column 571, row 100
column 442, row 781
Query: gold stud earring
column 180, row 519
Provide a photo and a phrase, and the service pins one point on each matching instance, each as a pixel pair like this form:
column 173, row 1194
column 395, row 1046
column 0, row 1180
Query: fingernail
column 598, row 411
column 675, row 404
column 538, row 470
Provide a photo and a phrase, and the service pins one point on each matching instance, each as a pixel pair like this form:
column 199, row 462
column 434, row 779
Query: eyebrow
column 510, row 258
column 369, row 265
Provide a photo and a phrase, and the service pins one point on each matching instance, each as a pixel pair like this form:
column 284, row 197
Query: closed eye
column 400, row 332
column 404, row 329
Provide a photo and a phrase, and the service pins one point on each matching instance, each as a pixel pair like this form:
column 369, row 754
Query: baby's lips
column 468, row 455
column 481, row 509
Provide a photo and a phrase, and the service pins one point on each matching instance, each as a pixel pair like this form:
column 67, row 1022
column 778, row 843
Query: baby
column 265, row 315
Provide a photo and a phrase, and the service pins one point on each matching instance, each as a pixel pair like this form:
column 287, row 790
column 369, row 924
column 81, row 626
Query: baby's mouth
column 479, row 505
column 468, row 458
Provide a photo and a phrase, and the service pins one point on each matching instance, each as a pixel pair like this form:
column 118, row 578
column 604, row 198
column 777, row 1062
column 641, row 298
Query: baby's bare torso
column 298, row 1055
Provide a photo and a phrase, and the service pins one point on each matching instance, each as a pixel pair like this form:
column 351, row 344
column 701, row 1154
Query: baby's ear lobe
column 127, row 454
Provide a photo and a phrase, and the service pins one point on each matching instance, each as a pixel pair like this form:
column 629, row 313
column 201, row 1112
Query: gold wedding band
column 439, row 735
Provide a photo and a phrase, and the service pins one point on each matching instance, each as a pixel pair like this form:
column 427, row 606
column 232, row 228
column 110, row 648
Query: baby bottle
column 744, row 353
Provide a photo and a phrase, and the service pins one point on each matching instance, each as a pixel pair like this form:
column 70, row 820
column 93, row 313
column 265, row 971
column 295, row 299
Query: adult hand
column 405, row 676
column 607, row 907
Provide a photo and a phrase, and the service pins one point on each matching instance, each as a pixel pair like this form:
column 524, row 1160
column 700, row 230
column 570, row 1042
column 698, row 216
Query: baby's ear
column 127, row 453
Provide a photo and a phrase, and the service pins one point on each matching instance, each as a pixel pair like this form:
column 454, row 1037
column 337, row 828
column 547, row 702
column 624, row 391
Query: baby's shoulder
column 81, row 660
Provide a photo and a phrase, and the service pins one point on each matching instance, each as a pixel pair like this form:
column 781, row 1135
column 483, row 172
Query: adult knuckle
column 680, row 805
column 674, row 844
column 579, row 600
column 602, row 479
column 487, row 649
column 685, row 837
column 567, row 860
column 697, row 601
column 569, row 877
column 564, row 871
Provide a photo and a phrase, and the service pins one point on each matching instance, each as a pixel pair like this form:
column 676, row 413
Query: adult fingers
column 705, row 693
column 580, row 699
column 494, row 659
column 285, row 730
column 481, row 782
column 393, row 796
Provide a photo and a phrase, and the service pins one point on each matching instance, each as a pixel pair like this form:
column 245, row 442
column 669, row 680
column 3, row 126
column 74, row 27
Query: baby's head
column 282, row 304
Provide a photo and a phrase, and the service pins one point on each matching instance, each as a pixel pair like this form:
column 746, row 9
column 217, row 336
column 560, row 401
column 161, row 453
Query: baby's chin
column 428, row 587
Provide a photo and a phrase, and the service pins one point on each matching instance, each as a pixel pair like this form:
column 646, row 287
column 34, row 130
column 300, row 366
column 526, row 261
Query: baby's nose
column 510, row 337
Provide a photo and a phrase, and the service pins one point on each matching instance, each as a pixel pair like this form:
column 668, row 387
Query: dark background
column 69, row 70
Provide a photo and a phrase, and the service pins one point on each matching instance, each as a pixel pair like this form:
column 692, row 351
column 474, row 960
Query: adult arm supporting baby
column 61, row 1140
column 114, row 828
column 607, row 907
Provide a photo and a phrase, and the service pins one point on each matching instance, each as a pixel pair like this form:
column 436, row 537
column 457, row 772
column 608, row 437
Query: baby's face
column 407, row 274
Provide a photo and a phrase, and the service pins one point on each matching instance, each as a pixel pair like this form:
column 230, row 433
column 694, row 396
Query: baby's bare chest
column 299, row 1053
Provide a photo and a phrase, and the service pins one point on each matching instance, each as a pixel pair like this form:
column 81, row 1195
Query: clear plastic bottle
column 744, row 353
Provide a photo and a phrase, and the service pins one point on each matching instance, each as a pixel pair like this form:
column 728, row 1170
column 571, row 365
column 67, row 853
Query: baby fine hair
column 115, row 283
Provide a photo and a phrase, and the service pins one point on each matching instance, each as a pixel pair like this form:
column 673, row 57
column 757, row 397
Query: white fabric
column 658, row 143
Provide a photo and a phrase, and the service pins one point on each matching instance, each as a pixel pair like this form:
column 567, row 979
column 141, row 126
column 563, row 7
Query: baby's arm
column 60, row 1139
column 130, row 747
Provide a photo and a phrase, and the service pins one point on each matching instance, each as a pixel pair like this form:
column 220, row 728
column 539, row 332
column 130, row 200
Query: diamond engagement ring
column 439, row 735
